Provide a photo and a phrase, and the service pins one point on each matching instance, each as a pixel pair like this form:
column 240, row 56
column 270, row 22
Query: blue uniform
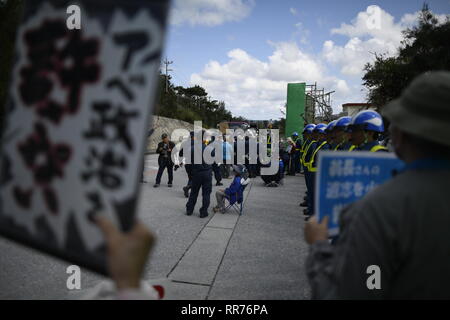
column 201, row 178
column 373, row 146
column 344, row 146
column 308, row 174
column 298, row 147
column 319, row 146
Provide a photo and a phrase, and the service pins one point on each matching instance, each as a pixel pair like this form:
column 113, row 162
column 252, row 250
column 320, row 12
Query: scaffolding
column 318, row 104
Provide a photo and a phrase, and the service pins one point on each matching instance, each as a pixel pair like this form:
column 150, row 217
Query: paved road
column 259, row 255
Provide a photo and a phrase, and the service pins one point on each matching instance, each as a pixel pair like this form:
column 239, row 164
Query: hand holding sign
column 315, row 231
column 127, row 252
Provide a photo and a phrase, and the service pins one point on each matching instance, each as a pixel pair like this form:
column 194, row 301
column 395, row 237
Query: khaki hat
column 423, row 109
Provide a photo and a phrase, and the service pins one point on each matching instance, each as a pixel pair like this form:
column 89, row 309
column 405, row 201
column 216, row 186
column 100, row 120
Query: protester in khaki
column 402, row 226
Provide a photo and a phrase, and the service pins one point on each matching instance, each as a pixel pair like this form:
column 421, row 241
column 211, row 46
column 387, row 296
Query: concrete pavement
column 259, row 255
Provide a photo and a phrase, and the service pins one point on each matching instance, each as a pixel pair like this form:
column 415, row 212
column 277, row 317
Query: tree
column 425, row 47
column 190, row 104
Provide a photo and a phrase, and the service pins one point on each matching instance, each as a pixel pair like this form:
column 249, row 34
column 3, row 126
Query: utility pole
column 167, row 63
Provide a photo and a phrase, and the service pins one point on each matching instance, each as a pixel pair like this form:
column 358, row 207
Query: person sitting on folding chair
column 234, row 193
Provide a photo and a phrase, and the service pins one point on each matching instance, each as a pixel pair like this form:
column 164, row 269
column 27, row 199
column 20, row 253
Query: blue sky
column 244, row 52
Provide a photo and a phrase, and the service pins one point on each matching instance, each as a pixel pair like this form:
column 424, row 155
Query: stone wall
column 165, row 125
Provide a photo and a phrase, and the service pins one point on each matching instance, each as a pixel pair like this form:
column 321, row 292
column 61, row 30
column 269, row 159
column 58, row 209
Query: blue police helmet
column 343, row 122
column 331, row 126
column 295, row 134
column 309, row 128
column 369, row 120
column 321, row 127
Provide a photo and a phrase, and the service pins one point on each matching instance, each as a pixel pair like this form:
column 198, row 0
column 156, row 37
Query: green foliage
column 425, row 48
column 190, row 104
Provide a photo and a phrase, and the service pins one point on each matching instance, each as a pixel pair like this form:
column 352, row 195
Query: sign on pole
column 345, row 177
column 80, row 103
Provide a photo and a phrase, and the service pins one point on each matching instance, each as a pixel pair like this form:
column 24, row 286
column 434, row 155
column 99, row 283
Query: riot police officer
column 201, row 174
column 366, row 127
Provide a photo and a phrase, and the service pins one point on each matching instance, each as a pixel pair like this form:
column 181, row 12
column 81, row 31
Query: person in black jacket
column 187, row 145
column 215, row 166
column 164, row 150
column 201, row 178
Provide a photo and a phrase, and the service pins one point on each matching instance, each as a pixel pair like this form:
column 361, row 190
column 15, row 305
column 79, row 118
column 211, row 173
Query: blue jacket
column 280, row 166
column 236, row 191
column 326, row 146
column 344, row 146
column 227, row 151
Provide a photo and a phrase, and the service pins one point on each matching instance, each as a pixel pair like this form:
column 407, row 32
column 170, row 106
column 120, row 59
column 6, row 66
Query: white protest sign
column 78, row 114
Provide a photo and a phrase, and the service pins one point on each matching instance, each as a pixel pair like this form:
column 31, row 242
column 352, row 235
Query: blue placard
column 345, row 177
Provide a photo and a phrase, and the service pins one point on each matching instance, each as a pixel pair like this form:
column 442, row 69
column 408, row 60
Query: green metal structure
column 295, row 108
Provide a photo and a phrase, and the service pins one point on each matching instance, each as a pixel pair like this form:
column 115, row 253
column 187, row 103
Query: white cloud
column 356, row 53
column 410, row 19
column 293, row 11
column 374, row 23
column 257, row 89
column 372, row 31
column 302, row 33
column 209, row 13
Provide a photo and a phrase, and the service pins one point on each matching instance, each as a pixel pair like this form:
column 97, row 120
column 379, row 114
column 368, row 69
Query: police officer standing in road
column 341, row 136
column 305, row 160
column 215, row 166
column 307, row 139
column 330, row 133
column 201, row 178
column 298, row 147
column 187, row 145
column 365, row 128
column 311, row 163
column 307, row 130
column 164, row 150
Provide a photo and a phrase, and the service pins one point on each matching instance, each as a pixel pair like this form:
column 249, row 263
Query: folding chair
column 238, row 206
